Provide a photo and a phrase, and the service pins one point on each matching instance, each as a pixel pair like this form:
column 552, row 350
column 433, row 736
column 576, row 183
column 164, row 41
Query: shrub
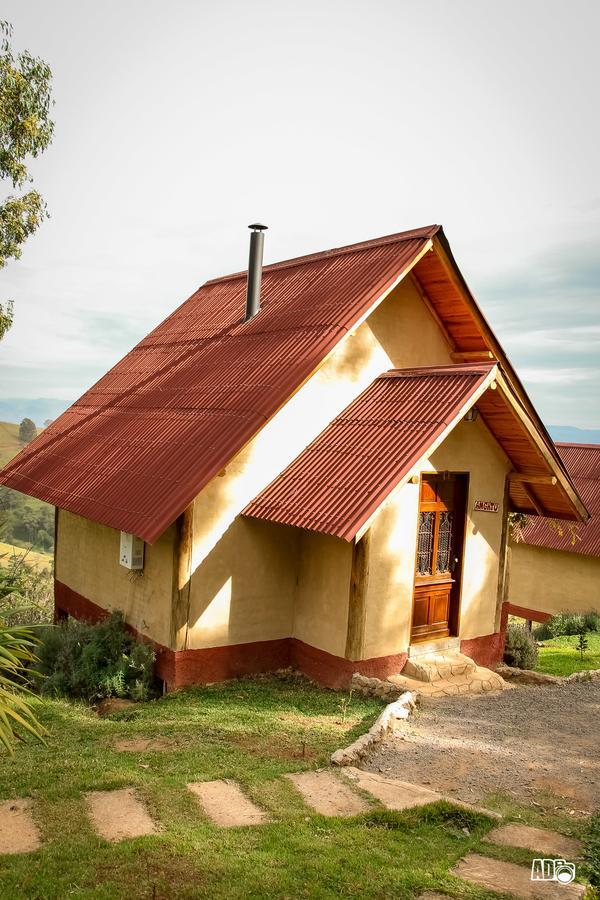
column 520, row 649
column 78, row 659
column 566, row 623
column 26, row 593
column 592, row 849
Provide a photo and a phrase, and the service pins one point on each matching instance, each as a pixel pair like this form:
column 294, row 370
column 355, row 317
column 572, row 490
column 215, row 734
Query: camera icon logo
column 553, row 870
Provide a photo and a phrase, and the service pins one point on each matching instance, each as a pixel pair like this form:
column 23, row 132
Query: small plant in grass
column 520, row 648
column 582, row 644
column 345, row 705
column 78, row 659
column 591, row 851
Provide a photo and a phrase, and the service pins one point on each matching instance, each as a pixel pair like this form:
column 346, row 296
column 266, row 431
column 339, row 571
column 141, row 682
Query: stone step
column 226, row 805
column 18, row 830
column 476, row 681
column 118, row 815
column 438, row 667
column 496, row 875
column 327, row 794
column 539, row 840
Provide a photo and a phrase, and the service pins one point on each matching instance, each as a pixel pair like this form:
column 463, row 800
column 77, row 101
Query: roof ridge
column 575, row 444
column 449, row 369
column 426, row 231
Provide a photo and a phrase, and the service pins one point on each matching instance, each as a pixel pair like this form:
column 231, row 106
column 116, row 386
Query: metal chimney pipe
column 257, row 240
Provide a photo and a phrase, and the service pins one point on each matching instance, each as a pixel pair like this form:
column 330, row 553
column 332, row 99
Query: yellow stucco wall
column 399, row 333
column 553, row 581
column 469, row 448
column 87, row 561
column 321, row 601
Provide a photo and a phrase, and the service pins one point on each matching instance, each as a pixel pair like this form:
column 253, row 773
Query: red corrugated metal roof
column 342, row 478
column 583, row 464
column 135, row 450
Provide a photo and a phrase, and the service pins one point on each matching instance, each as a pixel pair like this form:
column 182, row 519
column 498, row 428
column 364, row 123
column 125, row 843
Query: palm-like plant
column 17, row 645
column 17, row 654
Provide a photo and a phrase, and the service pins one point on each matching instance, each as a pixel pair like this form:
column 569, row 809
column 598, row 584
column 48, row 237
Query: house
column 317, row 461
column 555, row 566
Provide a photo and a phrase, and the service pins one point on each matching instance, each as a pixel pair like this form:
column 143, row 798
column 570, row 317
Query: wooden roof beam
column 534, row 501
column 472, row 356
column 524, row 478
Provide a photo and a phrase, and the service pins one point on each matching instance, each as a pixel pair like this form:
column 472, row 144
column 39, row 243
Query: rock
column 112, row 705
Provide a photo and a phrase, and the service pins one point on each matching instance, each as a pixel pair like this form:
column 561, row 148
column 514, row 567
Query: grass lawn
column 252, row 731
column 559, row 655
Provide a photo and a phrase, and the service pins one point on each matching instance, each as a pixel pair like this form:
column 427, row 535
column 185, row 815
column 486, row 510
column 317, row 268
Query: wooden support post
column 524, row 478
column 182, row 578
column 357, row 600
column 504, row 555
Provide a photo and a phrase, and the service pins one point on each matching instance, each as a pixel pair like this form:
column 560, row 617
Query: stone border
column 528, row 676
column 385, row 724
column 375, row 687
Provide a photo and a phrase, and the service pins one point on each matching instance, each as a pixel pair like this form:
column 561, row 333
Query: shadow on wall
column 244, row 589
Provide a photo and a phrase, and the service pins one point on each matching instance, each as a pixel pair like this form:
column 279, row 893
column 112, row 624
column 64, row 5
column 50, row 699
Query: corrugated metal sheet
column 135, row 450
column 342, row 478
column 583, row 464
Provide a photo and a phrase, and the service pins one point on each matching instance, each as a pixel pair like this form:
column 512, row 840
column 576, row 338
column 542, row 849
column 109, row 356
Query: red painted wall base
column 178, row 668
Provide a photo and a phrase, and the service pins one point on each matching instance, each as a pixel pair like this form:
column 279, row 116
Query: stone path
column 327, row 794
column 121, row 814
column 117, row 815
column 549, row 843
column 509, row 878
column 18, row 831
column 391, row 792
column 226, row 805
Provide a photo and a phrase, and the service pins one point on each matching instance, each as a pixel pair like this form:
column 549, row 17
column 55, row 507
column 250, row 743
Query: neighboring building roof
column 583, row 463
column 135, row 449
column 343, row 477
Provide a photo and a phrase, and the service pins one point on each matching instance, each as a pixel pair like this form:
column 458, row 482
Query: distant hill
column 15, row 409
column 570, row 434
column 10, row 444
column 24, row 521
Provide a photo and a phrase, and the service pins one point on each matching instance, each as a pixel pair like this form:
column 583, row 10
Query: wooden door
column 440, row 536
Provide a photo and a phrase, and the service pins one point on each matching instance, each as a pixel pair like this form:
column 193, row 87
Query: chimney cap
column 258, row 227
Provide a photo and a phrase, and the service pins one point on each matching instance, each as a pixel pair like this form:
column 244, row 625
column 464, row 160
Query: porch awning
column 337, row 484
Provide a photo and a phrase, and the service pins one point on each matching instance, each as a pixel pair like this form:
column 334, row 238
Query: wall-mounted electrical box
column 131, row 554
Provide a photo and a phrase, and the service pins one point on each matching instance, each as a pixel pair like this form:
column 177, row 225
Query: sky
column 178, row 124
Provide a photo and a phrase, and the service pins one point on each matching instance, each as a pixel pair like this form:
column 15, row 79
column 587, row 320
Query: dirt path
column 522, row 742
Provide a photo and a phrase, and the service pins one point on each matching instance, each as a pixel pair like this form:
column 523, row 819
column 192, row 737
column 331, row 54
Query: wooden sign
column 485, row 506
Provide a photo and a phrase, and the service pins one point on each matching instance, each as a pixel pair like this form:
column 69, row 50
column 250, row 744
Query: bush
column 592, row 849
column 26, row 592
column 520, row 648
column 78, row 659
column 566, row 623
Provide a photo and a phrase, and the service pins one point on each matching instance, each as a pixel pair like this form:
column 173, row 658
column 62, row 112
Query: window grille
column 444, row 548
column 425, row 543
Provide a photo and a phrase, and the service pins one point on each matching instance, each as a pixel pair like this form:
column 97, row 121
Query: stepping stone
column 18, row 831
column 391, row 792
column 327, row 794
column 496, row 875
column 548, row 843
column 117, row 815
column 226, row 805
